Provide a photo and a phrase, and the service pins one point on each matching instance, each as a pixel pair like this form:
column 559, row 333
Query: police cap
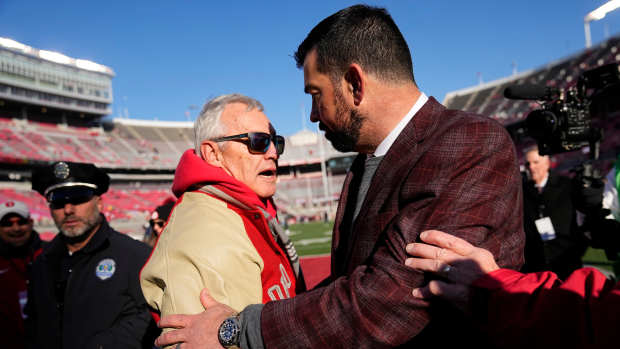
column 69, row 175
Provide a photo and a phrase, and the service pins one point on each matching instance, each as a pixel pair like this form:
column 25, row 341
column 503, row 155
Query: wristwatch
column 229, row 332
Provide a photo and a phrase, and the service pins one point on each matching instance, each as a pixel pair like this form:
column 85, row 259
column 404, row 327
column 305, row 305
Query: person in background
column 20, row 245
column 535, row 310
column 611, row 209
column 84, row 290
column 610, row 193
column 156, row 223
column 553, row 239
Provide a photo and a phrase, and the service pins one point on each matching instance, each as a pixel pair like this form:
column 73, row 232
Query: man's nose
column 69, row 208
column 272, row 152
column 314, row 112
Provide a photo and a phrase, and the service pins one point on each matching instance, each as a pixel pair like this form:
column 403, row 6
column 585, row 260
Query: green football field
column 596, row 257
column 315, row 238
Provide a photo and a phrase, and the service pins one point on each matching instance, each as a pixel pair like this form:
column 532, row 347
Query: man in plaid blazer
column 421, row 166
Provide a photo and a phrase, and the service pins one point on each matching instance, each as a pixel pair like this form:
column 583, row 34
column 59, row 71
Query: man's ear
column 355, row 80
column 211, row 153
column 99, row 203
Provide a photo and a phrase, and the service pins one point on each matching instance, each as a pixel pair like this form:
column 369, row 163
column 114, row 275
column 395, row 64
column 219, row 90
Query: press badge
column 545, row 228
column 23, row 298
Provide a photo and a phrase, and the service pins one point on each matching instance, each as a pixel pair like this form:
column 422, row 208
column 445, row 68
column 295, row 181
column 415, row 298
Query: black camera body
column 564, row 122
column 562, row 125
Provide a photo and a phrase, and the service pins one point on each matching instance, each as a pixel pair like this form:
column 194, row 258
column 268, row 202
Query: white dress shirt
column 387, row 142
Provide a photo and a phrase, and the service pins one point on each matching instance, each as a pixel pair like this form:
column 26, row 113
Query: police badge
column 61, row 170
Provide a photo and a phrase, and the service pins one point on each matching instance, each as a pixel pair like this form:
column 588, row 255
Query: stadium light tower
column 596, row 15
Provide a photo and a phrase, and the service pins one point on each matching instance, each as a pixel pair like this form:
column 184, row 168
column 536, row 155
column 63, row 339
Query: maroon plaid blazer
column 447, row 170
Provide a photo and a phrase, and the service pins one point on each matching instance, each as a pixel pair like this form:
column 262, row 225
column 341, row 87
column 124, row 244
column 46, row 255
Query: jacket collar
column 419, row 128
column 423, row 125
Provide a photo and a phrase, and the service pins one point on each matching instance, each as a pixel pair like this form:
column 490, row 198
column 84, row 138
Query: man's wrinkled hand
column 195, row 331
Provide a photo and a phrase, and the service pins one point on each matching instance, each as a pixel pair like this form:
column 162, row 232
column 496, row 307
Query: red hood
column 193, row 172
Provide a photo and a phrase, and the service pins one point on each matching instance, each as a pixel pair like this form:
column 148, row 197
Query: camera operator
column 564, row 124
column 553, row 238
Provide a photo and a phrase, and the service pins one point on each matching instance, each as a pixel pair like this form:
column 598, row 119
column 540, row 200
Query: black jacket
column 91, row 299
column 561, row 255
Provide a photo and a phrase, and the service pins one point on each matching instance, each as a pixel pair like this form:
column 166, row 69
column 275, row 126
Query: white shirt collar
column 387, row 142
column 543, row 183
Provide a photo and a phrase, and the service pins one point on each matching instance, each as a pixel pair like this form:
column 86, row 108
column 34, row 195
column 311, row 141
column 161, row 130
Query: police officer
column 85, row 290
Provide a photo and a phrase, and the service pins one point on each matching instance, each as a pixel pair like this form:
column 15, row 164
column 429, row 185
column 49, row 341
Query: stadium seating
column 146, row 147
column 153, row 147
column 118, row 203
column 23, row 141
column 488, row 99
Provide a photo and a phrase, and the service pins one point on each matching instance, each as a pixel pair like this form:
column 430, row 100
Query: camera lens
column 541, row 123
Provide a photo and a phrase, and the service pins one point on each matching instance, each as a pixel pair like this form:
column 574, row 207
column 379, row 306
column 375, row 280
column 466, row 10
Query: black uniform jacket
column 91, row 299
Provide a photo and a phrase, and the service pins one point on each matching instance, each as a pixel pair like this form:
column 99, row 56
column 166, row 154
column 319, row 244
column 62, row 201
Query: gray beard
column 89, row 224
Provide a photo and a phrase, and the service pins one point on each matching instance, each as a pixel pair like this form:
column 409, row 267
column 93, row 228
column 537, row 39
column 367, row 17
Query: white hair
column 533, row 148
column 207, row 125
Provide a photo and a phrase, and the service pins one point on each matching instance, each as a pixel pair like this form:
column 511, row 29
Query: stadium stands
column 24, row 141
column 488, row 99
column 140, row 152
column 118, row 203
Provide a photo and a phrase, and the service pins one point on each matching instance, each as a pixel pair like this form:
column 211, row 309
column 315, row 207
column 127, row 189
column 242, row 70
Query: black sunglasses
column 74, row 196
column 158, row 222
column 259, row 142
column 8, row 223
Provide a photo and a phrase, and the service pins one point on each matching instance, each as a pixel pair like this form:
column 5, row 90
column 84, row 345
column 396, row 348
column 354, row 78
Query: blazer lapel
column 395, row 166
column 342, row 223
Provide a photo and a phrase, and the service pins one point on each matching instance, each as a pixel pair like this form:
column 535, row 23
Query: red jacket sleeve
column 539, row 310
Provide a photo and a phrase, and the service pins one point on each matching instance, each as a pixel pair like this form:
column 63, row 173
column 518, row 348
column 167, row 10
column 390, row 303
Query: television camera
column 564, row 124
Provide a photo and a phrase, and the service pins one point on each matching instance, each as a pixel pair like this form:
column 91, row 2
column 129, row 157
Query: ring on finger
column 446, row 269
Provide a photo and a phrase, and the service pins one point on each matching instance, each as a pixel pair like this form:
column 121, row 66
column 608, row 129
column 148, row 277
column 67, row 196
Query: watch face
column 229, row 332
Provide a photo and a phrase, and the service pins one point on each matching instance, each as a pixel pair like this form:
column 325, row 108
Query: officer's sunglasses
column 258, row 142
column 72, row 195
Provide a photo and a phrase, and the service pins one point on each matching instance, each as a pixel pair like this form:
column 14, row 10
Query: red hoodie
column 193, row 173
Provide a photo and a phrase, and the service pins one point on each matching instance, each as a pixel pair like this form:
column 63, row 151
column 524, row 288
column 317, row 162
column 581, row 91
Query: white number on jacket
column 275, row 291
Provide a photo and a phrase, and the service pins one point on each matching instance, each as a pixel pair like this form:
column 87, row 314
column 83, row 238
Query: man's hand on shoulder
column 196, row 331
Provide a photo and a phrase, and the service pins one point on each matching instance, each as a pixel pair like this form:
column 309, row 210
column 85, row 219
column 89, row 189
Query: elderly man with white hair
column 222, row 233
